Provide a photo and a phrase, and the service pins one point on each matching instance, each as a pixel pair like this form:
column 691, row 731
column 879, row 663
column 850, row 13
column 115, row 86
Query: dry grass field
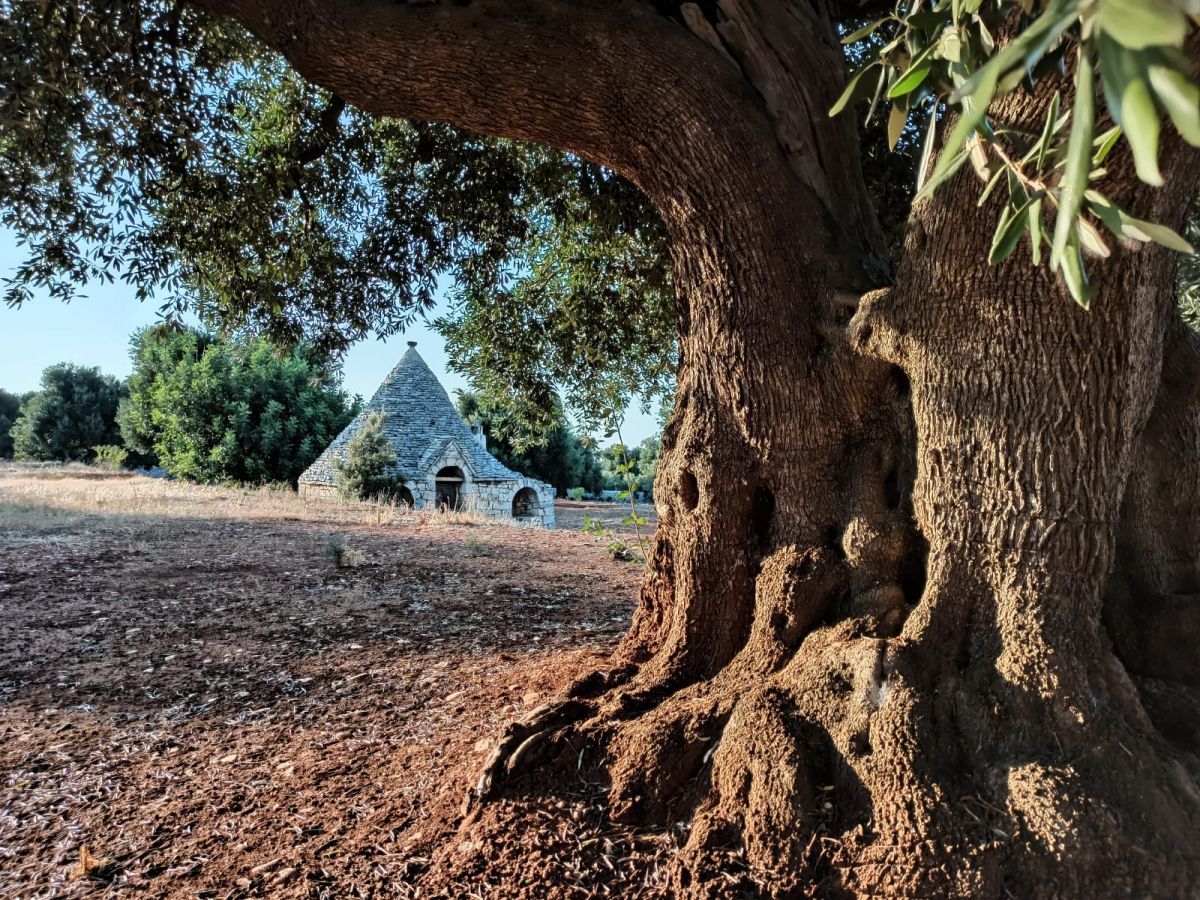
column 198, row 700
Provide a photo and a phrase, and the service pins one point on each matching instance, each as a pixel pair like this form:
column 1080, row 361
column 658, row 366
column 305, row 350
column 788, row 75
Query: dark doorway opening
column 449, row 483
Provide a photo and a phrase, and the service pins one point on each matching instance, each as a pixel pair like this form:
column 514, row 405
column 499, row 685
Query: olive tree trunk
column 869, row 655
column 1044, row 671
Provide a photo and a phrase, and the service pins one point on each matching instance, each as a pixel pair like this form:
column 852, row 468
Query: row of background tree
column 201, row 408
column 240, row 410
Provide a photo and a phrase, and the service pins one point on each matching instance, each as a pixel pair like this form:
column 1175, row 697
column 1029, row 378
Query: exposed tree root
column 519, row 745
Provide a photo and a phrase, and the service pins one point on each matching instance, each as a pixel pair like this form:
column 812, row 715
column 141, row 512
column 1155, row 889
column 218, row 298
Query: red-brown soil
column 210, row 707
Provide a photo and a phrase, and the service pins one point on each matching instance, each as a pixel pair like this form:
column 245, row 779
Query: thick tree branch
column 581, row 76
column 615, row 81
column 316, row 145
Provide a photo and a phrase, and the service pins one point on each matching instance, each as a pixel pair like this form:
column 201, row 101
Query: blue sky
column 94, row 331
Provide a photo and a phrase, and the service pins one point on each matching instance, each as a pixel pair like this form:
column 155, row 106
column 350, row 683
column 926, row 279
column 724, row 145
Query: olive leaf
column 910, row 80
column 1034, row 212
column 1180, row 97
column 855, row 90
column 927, row 149
column 1013, row 223
column 1138, row 24
column 1124, row 225
column 1079, row 156
column 855, row 36
column 1127, row 93
column 896, row 122
column 1074, row 274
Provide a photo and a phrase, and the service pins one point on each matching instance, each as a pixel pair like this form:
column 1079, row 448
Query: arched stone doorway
column 448, row 483
column 526, row 505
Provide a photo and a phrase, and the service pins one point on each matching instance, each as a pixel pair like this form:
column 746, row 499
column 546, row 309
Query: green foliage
column 625, row 467
column 555, row 455
column 612, row 457
column 647, row 462
column 588, row 314
column 576, row 494
column 100, row 106
column 144, row 139
column 75, row 409
column 10, row 408
column 369, row 471
column 630, row 468
column 110, row 456
column 229, row 410
column 949, row 53
column 614, row 545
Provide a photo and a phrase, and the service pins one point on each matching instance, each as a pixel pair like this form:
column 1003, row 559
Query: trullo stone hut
column 445, row 461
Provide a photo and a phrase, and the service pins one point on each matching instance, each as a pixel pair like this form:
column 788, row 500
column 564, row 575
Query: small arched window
column 526, row 505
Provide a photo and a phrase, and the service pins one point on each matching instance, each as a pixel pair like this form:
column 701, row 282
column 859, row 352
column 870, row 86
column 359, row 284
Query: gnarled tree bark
column 1031, row 418
column 793, row 669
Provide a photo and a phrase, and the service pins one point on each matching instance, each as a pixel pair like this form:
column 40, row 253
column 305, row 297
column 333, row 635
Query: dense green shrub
column 229, row 410
column 369, row 471
column 110, row 456
column 576, row 493
column 75, row 410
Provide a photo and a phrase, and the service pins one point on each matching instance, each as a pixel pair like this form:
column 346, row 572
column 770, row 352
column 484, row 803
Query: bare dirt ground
column 571, row 515
column 195, row 701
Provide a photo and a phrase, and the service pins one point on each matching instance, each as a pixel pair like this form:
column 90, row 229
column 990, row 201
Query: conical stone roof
column 421, row 422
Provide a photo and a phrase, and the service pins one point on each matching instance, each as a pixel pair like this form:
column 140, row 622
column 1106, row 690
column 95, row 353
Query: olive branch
column 949, row 52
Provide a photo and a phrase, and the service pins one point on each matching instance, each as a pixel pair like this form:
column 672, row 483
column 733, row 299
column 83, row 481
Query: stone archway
column 526, row 505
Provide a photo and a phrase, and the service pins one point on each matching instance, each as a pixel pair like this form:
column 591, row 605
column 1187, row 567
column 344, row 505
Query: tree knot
column 873, row 329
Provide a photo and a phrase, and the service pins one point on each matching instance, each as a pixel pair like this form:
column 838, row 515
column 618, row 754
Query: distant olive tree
column 10, row 408
column 648, row 452
column 75, row 409
column 369, row 471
